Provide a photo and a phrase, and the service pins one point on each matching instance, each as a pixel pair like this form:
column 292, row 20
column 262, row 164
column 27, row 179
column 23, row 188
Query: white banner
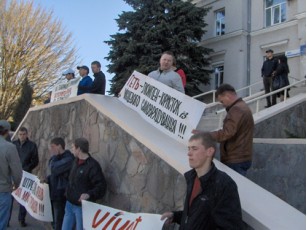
column 169, row 110
column 34, row 196
column 97, row 216
column 65, row 90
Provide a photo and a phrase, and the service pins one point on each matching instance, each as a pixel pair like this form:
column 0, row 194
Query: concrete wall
column 279, row 166
column 133, row 156
column 138, row 180
column 291, row 121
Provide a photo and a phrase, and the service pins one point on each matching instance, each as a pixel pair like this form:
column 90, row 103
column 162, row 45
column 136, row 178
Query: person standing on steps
column 165, row 74
column 268, row 67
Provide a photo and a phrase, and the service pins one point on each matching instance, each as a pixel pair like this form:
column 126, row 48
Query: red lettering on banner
column 128, row 225
column 134, row 83
column 40, row 193
column 94, row 224
column 33, row 204
column 25, row 196
column 109, row 222
column 18, row 191
column 138, row 220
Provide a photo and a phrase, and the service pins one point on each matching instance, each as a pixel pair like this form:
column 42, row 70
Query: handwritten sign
column 97, row 216
column 34, row 196
column 169, row 110
column 65, row 90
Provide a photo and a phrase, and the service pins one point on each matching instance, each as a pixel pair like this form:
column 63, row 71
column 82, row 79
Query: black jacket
column 98, row 86
column 85, row 178
column 216, row 207
column 28, row 154
column 60, row 166
column 268, row 67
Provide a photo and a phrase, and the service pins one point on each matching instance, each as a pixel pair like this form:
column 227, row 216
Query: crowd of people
column 74, row 176
column 212, row 199
column 87, row 85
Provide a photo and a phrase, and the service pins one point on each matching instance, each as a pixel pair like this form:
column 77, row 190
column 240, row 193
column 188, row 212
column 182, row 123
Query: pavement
column 32, row 223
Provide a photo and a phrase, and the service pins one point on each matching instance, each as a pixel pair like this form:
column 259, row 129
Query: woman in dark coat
column 282, row 72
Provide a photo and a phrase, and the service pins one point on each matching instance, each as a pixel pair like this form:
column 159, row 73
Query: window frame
column 218, row 75
column 271, row 13
column 219, row 31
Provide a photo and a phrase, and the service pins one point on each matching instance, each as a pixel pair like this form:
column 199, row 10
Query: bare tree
column 33, row 45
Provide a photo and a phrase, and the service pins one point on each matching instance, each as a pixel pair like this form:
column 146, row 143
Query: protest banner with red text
column 171, row 111
column 34, row 196
column 96, row 216
column 65, row 90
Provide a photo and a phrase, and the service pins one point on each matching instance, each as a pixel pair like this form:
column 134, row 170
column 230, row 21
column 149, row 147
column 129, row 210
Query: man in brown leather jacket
column 236, row 136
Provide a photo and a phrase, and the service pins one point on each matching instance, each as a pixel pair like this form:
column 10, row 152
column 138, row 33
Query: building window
column 218, row 75
column 220, row 22
column 275, row 12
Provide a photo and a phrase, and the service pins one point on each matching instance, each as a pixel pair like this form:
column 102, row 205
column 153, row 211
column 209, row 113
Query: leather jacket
column 236, row 136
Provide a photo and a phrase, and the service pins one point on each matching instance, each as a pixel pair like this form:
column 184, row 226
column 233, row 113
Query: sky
column 91, row 22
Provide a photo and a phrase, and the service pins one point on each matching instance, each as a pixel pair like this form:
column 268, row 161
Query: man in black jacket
column 99, row 83
column 212, row 199
column 268, row 67
column 60, row 164
column 28, row 154
column 86, row 182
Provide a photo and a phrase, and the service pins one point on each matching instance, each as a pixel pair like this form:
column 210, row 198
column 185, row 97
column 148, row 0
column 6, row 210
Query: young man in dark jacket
column 99, row 83
column 86, row 182
column 212, row 199
column 28, row 155
column 60, row 164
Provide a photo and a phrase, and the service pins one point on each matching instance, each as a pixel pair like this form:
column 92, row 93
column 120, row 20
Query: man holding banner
column 60, row 164
column 166, row 74
column 86, row 182
column 11, row 172
column 212, row 199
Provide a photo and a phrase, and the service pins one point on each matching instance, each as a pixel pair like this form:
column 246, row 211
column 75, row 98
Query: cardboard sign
column 65, row 90
column 97, row 216
column 34, row 196
column 167, row 109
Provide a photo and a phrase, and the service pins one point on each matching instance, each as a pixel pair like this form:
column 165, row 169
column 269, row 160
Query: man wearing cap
column 99, row 83
column 10, row 173
column 268, row 67
column 85, row 81
column 69, row 74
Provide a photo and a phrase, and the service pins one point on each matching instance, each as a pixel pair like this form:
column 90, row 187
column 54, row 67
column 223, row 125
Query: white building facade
column 240, row 31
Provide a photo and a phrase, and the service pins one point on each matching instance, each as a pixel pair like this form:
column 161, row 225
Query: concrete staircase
column 214, row 113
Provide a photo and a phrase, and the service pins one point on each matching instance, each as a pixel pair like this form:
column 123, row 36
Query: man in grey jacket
column 166, row 74
column 10, row 173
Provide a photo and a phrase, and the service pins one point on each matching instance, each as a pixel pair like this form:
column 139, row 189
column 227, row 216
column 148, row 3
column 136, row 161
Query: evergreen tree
column 152, row 28
column 23, row 104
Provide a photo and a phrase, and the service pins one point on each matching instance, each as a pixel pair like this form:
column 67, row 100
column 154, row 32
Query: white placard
column 65, row 90
column 34, row 196
column 97, row 216
column 169, row 110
